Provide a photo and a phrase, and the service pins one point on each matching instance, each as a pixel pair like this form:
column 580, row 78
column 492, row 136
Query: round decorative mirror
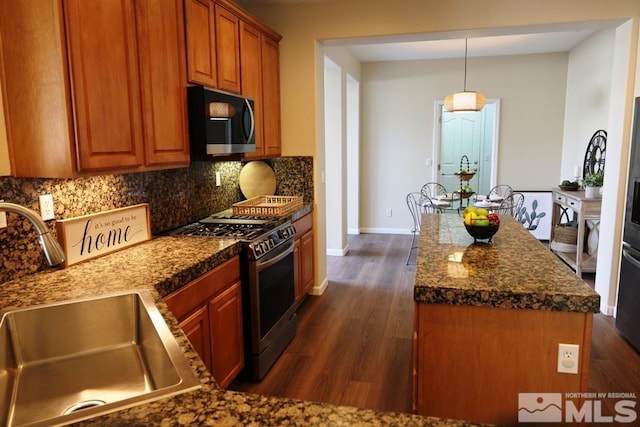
column 594, row 157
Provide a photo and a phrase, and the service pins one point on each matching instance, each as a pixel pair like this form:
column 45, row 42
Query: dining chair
column 518, row 204
column 502, row 190
column 433, row 189
column 417, row 204
column 506, row 206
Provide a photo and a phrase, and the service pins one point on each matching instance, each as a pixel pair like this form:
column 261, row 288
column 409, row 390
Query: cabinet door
column 163, row 78
column 306, row 262
column 303, row 256
column 271, row 97
column 102, row 50
column 227, row 347
column 196, row 328
column 228, row 50
column 251, row 70
column 201, row 42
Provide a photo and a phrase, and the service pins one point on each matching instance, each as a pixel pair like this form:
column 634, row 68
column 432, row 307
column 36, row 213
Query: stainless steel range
column 268, row 282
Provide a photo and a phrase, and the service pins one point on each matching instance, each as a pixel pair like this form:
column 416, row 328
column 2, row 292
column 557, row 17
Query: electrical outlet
column 217, row 179
column 388, row 212
column 568, row 358
column 46, row 207
column 3, row 218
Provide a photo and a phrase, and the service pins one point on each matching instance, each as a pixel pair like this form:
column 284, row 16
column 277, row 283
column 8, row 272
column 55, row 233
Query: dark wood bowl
column 569, row 187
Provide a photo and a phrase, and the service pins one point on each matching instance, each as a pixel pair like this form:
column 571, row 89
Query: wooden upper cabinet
column 201, row 42
column 87, row 86
column 271, row 97
column 103, row 62
column 35, row 90
column 228, row 49
column 163, row 76
column 260, row 62
column 245, row 60
column 251, row 70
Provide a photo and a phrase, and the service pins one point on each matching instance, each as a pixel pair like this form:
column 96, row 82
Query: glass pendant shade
column 464, row 101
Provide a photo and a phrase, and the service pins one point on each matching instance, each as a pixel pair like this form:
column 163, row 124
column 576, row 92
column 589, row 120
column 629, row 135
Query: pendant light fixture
column 465, row 100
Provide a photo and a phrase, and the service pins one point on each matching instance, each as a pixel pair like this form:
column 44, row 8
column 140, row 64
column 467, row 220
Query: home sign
column 88, row 236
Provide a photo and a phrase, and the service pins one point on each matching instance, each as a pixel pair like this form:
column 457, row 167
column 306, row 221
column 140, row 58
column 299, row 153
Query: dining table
column 453, row 202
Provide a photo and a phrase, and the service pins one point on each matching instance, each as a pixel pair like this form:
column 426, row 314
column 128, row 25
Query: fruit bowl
column 482, row 232
column 464, row 194
column 465, row 175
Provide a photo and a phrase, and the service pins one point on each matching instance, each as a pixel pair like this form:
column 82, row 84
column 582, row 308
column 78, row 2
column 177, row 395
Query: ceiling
column 490, row 42
column 522, row 40
column 517, row 44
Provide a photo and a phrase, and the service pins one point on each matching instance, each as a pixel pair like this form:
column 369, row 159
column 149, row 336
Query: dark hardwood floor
column 354, row 343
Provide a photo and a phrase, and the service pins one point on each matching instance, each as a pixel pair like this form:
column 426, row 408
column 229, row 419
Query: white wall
column 341, row 146
column 397, row 125
column 587, row 97
column 623, row 74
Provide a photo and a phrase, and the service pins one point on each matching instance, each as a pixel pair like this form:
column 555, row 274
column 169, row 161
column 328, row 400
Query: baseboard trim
column 385, row 231
column 319, row 290
column 338, row 252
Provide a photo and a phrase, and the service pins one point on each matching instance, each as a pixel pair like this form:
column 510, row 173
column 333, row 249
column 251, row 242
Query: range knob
column 287, row 232
column 257, row 249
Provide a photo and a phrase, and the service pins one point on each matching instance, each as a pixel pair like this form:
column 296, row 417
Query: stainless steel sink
column 70, row 361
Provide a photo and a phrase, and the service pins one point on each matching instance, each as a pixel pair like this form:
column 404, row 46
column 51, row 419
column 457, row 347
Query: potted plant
column 592, row 184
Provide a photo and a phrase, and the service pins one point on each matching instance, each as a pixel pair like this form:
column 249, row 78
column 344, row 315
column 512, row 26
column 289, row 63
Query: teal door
column 469, row 134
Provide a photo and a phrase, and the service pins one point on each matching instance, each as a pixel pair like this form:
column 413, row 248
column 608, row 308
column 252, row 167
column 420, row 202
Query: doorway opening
column 471, row 134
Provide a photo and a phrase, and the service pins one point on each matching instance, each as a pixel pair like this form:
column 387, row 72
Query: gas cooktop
column 225, row 224
column 259, row 235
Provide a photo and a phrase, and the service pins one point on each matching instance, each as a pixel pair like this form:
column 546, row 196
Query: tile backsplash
column 175, row 197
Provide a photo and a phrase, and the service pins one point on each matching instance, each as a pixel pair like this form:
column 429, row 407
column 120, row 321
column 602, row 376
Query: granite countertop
column 161, row 266
column 514, row 271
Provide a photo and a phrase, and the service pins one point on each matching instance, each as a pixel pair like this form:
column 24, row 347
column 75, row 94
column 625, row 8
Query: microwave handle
column 253, row 119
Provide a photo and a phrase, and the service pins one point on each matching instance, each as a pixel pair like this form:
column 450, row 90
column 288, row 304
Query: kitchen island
column 161, row 266
column 488, row 321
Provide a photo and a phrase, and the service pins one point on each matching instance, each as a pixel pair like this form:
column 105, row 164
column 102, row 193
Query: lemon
column 482, row 212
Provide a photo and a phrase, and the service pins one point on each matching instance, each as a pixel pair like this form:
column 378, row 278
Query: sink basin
column 70, row 361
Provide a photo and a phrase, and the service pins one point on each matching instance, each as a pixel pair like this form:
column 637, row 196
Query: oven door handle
column 277, row 258
column 631, row 255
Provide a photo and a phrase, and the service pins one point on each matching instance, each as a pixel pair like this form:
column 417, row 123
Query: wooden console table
column 579, row 210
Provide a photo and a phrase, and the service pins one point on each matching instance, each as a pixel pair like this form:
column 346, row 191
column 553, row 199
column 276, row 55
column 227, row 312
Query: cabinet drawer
column 303, row 225
column 573, row 203
column 559, row 198
column 197, row 292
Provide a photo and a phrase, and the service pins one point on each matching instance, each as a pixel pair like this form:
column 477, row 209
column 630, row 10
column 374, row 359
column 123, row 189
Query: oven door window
column 276, row 289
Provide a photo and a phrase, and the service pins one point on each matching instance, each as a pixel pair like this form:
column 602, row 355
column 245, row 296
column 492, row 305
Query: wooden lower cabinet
column 196, row 328
column 209, row 310
column 470, row 362
column 227, row 348
column 303, row 256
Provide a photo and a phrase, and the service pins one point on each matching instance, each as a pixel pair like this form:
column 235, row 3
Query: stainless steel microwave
column 220, row 123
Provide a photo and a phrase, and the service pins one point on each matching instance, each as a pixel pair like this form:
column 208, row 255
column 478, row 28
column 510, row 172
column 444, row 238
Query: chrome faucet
column 50, row 246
